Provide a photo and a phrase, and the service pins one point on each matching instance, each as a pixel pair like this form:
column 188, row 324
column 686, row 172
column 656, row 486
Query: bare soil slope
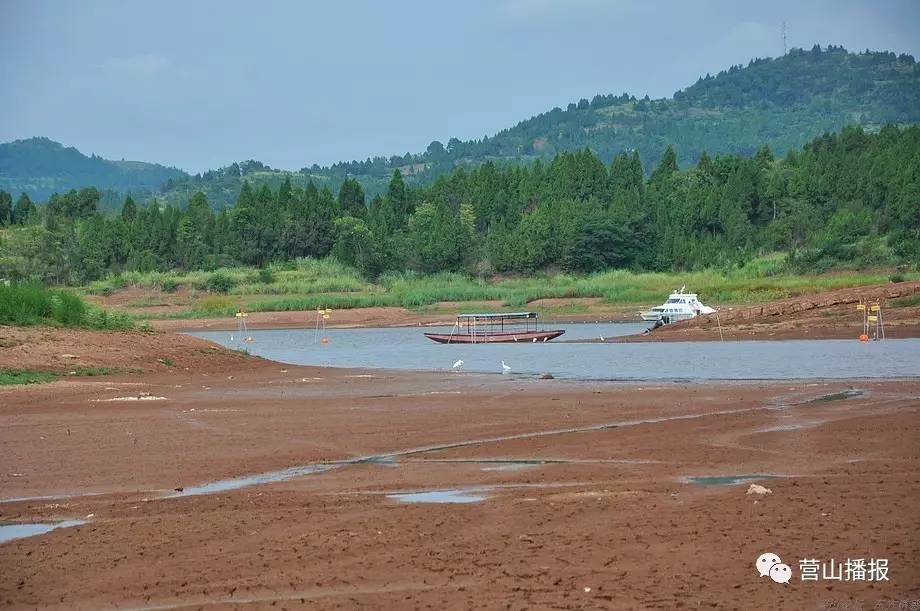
column 828, row 315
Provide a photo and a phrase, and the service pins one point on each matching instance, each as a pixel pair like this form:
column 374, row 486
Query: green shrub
column 33, row 304
column 266, row 276
column 24, row 304
column 118, row 281
column 68, row 309
column 220, row 282
column 169, row 285
column 216, row 306
column 97, row 318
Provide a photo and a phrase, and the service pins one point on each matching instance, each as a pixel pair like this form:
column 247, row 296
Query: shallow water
column 408, row 348
column 459, row 495
column 727, row 480
column 235, row 483
column 782, row 427
column 10, row 532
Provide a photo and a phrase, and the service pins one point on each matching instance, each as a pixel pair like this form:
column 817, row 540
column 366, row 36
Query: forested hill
column 783, row 103
column 40, row 167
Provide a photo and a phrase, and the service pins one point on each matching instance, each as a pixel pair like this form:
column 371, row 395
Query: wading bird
column 458, row 365
column 505, row 368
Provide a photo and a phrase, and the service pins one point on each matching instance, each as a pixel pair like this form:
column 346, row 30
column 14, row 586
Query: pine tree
column 6, row 208
column 244, row 221
column 398, row 197
column 23, row 210
column 128, row 210
column 667, row 165
column 351, row 198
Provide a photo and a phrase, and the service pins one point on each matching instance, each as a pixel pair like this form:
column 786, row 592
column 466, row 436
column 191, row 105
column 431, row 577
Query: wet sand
column 586, row 503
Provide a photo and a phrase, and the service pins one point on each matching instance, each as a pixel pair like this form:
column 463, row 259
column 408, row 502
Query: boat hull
column 495, row 338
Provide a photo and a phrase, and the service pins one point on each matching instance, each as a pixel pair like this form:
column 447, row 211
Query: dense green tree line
column 850, row 198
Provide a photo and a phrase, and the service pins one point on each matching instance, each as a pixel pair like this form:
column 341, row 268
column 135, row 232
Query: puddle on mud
column 782, row 427
column 514, row 466
column 51, row 497
column 384, row 461
column 456, row 495
column 727, row 480
column 11, row 532
column 471, row 494
column 235, row 483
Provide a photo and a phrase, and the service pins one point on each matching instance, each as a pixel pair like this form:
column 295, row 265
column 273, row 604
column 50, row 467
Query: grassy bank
column 33, row 304
column 10, row 377
column 309, row 284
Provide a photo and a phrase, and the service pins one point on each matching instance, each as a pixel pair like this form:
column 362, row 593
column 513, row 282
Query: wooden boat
column 495, row 328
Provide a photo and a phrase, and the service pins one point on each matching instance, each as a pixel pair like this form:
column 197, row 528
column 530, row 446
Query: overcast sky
column 201, row 84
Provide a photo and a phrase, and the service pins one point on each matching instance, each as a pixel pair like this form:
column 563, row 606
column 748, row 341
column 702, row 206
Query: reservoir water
column 408, row 348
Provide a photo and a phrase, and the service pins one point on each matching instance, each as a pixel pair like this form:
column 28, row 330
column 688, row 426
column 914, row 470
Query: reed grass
column 33, row 304
column 307, row 284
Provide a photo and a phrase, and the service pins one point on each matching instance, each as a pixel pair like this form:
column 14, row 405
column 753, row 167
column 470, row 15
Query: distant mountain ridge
column 782, row 102
column 40, row 167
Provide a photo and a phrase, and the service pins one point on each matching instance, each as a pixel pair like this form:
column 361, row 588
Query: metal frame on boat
column 490, row 329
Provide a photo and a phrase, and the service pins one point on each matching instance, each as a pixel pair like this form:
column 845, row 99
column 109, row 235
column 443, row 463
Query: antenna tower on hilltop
column 784, row 37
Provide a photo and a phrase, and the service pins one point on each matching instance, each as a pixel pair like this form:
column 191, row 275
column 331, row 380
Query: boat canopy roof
column 498, row 316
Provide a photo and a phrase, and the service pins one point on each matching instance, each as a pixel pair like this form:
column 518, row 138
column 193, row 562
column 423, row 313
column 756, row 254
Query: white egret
column 505, row 368
column 458, row 365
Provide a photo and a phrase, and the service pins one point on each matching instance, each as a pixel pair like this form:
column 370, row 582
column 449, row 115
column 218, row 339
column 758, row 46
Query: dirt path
column 585, row 504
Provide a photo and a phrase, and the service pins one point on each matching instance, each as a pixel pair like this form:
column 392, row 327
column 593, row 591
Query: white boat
column 679, row 306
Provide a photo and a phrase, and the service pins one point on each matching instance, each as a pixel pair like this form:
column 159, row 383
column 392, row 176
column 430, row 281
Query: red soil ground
column 606, row 520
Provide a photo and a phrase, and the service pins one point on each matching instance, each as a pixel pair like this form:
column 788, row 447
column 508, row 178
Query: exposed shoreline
column 583, row 484
column 828, row 315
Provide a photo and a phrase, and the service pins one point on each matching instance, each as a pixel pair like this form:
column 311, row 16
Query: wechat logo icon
column 770, row 564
